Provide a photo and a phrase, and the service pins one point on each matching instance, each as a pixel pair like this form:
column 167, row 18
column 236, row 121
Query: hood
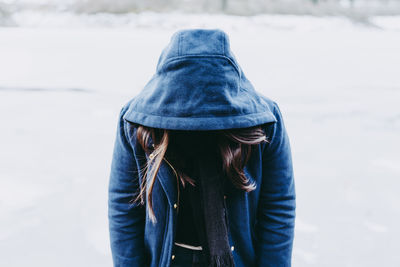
column 199, row 85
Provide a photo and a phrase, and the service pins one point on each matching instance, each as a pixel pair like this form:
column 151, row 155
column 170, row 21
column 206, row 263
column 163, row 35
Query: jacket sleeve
column 277, row 202
column 126, row 220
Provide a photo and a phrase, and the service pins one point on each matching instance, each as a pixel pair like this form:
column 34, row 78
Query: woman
column 202, row 170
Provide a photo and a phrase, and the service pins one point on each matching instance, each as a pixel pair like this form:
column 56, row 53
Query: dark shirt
column 186, row 230
column 183, row 149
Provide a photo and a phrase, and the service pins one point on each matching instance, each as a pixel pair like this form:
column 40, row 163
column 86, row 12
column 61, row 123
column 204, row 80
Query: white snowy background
column 64, row 78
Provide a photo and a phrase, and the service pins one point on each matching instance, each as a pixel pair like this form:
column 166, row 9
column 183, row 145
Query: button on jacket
column 199, row 85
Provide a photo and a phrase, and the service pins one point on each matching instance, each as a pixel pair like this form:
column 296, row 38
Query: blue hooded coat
column 199, row 85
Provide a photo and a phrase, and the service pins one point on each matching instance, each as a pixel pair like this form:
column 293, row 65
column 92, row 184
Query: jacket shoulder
column 271, row 103
column 274, row 107
column 128, row 128
column 126, row 106
column 273, row 130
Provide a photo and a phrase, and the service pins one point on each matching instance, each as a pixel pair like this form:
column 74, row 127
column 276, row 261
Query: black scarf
column 209, row 210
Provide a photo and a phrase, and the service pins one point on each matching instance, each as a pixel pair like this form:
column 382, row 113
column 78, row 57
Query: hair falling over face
column 233, row 146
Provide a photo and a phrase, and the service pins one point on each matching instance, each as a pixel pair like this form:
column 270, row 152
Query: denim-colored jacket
column 199, row 85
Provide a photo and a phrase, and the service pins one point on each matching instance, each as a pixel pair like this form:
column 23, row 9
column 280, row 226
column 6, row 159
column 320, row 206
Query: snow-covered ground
column 337, row 83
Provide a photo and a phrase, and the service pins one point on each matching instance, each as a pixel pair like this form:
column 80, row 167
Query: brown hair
column 234, row 147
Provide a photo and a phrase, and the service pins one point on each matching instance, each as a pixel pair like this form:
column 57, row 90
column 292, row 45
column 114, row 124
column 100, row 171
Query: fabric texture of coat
column 199, row 85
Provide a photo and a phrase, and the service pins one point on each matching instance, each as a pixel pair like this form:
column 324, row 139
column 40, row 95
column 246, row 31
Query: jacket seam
column 175, row 58
column 223, row 43
column 164, row 236
column 179, row 44
column 163, row 116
